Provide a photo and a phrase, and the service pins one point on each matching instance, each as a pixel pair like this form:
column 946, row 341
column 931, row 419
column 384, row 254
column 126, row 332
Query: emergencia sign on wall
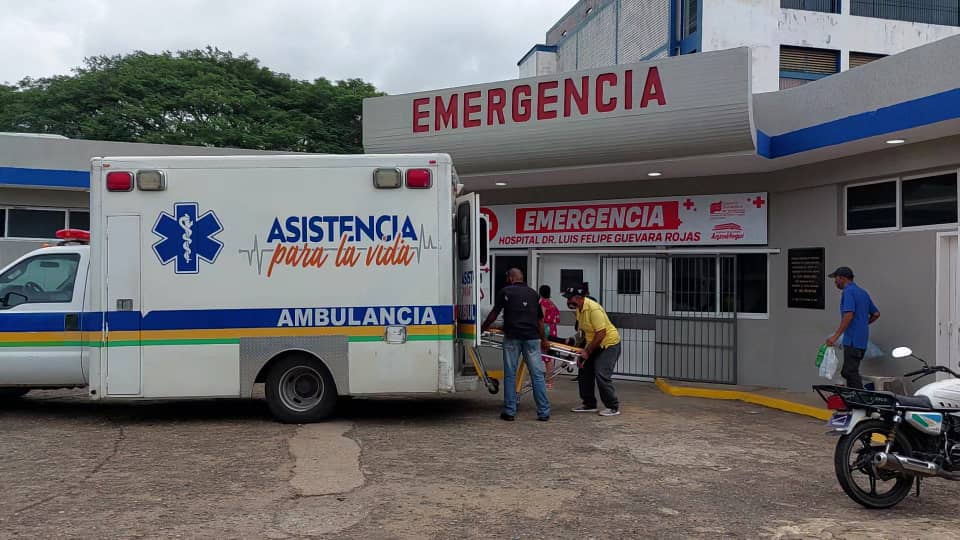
column 732, row 219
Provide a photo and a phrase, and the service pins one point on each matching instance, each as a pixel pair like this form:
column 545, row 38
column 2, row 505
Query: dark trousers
column 851, row 366
column 599, row 368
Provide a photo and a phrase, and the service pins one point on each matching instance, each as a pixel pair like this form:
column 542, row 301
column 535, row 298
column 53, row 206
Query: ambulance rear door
column 468, row 261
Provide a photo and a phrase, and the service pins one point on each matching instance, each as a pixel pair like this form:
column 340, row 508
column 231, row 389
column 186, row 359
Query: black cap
column 843, row 271
column 574, row 291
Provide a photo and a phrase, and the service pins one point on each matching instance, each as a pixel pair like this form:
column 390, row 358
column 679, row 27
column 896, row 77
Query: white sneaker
column 610, row 412
column 584, row 409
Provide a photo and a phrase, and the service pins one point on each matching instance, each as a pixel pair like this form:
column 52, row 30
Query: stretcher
column 564, row 359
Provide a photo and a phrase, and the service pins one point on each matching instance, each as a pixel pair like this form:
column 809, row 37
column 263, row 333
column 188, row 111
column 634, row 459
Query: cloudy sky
column 399, row 45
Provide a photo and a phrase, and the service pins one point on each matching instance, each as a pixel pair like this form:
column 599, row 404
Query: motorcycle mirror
column 902, row 352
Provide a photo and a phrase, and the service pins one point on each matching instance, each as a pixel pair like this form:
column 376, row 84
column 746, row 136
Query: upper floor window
column 826, row 6
column 858, row 59
column 945, row 12
column 800, row 65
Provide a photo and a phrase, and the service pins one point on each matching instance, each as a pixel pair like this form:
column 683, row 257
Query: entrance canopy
column 681, row 117
column 670, row 108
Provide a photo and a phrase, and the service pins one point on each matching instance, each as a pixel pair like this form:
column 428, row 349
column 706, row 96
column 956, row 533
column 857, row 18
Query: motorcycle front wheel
column 860, row 480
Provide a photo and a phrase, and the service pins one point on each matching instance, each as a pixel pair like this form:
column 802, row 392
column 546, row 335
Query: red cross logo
column 689, row 205
column 758, row 202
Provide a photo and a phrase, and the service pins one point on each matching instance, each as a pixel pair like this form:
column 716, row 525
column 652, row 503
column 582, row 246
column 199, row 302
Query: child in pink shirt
column 551, row 318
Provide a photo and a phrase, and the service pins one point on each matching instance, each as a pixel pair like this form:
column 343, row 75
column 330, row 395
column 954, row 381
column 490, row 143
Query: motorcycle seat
column 921, row 402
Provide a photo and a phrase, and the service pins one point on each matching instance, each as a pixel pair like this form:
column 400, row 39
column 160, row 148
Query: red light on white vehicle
column 836, row 403
column 419, row 178
column 73, row 235
column 119, row 181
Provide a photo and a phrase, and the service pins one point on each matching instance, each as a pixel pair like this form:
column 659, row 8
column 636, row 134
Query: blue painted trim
column 655, row 52
column 540, row 47
column 194, row 319
column 909, row 114
column 17, row 176
column 803, row 75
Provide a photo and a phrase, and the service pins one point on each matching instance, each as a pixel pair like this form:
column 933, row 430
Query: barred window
column 945, row 12
column 858, row 59
column 799, row 65
column 825, row 6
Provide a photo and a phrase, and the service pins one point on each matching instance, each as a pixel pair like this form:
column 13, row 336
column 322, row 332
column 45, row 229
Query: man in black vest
column 522, row 334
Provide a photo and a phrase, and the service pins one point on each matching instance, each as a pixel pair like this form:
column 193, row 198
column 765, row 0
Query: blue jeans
column 511, row 361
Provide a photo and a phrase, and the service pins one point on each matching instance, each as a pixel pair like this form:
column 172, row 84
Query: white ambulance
column 320, row 276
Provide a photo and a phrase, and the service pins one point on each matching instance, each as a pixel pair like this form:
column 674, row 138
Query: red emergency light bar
column 419, row 178
column 73, row 235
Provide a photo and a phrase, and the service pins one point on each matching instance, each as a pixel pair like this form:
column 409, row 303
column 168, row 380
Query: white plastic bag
column 828, row 366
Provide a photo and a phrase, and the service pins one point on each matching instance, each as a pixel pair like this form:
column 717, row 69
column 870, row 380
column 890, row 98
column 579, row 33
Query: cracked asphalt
column 434, row 467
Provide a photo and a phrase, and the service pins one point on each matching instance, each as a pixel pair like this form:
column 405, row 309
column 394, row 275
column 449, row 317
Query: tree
column 202, row 97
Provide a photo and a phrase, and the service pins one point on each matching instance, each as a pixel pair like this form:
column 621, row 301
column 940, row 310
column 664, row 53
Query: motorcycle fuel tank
column 943, row 394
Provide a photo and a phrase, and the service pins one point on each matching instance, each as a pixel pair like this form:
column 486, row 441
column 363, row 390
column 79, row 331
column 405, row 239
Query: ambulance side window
column 463, row 231
column 483, row 242
column 40, row 279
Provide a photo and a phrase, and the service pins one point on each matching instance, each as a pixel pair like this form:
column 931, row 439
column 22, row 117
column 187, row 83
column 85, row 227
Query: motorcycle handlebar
column 917, row 372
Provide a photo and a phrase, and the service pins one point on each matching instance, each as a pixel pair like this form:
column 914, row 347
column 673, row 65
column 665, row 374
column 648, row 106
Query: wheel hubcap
column 301, row 388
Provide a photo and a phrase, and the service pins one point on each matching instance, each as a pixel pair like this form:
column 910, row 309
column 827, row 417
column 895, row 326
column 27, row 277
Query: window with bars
column 825, row 6
column 800, row 65
column 629, row 281
column 858, row 59
column 944, row 12
column 724, row 284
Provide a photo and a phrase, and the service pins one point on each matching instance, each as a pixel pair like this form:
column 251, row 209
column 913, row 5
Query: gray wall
column 11, row 249
column 890, row 80
column 75, row 154
column 615, row 32
column 70, row 154
column 898, row 269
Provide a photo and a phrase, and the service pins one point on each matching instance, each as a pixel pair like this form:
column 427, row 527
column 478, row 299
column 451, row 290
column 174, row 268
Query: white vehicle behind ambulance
column 320, row 276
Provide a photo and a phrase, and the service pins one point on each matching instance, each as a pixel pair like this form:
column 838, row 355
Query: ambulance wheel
column 493, row 386
column 300, row 390
column 13, row 393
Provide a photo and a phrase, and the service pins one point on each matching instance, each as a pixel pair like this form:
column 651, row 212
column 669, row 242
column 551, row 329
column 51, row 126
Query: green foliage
column 201, row 97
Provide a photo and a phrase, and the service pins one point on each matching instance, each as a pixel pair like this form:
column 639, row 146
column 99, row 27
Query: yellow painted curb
column 748, row 397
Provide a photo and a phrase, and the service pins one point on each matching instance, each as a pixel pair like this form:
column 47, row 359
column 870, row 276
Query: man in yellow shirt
column 599, row 356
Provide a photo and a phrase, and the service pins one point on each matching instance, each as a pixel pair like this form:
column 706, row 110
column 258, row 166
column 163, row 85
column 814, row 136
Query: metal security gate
column 676, row 315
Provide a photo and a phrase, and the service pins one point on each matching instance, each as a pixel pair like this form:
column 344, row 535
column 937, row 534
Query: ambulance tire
column 300, row 390
column 13, row 393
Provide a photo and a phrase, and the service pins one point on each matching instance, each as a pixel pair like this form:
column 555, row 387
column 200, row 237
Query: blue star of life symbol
column 187, row 237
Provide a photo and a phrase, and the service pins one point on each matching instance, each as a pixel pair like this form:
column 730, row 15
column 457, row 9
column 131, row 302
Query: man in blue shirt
column 857, row 312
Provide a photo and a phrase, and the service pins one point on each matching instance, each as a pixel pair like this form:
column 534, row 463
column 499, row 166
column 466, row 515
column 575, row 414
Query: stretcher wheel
column 493, row 386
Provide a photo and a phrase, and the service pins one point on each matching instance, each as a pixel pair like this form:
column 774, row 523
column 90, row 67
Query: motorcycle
column 888, row 441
